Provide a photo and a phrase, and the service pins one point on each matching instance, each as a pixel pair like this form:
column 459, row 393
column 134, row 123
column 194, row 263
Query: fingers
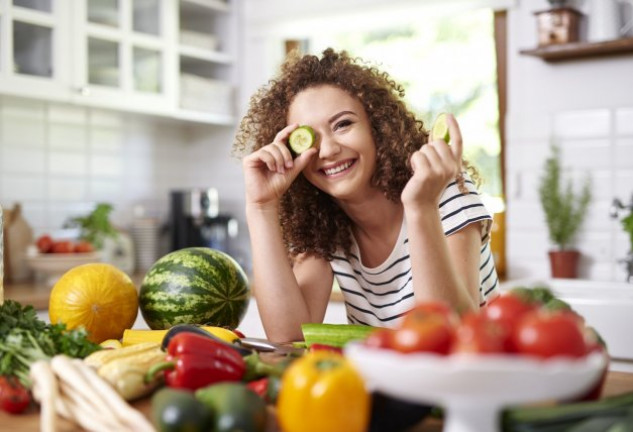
column 456, row 137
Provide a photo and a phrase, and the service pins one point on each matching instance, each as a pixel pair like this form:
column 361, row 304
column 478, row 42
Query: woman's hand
column 269, row 171
column 434, row 166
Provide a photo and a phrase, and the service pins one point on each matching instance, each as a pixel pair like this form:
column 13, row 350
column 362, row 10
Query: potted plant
column 565, row 211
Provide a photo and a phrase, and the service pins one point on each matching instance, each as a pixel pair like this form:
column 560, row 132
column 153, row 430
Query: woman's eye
column 342, row 124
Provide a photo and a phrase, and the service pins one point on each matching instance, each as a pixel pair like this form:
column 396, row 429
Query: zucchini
column 564, row 417
column 336, row 335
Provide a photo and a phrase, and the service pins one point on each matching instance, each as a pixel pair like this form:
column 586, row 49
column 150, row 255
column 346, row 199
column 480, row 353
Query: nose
column 328, row 146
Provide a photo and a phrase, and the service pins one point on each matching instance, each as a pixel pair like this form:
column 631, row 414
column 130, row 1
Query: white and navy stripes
column 379, row 296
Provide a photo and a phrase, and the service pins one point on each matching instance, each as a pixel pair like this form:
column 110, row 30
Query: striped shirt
column 379, row 296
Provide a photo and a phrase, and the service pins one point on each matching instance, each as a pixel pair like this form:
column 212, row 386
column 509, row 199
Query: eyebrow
column 338, row 115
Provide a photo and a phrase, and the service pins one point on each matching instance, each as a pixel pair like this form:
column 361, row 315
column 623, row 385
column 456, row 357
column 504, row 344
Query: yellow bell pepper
column 322, row 391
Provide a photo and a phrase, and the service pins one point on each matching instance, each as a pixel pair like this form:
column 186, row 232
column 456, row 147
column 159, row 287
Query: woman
column 392, row 216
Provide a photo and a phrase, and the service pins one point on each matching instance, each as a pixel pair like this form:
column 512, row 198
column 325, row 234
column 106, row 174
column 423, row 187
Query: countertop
column 37, row 294
column 616, row 383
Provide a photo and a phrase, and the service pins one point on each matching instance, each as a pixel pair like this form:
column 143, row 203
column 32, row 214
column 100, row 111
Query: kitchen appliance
column 196, row 220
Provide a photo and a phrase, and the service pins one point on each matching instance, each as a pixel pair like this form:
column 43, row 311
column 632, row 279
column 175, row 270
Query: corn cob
column 102, row 357
column 133, row 336
column 127, row 374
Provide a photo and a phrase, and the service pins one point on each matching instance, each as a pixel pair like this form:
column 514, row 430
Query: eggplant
column 190, row 328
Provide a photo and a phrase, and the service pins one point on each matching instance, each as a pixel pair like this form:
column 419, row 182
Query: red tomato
column 14, row 397
column 507, row 309
column 479, row 334
column 63, row 246
column 428, row 327
column 44, row 243
column 549, row 334
column 83, row 247
column 380, row 338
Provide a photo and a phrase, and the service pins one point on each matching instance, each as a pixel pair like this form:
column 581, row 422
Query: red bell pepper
column 195, row 361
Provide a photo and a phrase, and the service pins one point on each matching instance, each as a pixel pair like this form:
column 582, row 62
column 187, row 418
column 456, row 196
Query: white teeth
column 337, row 169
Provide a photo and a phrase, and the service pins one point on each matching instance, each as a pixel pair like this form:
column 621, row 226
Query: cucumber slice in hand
column 439, row 131
column 301, row 139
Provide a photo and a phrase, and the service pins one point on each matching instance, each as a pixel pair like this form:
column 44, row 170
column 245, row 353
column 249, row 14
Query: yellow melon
column 97, row 296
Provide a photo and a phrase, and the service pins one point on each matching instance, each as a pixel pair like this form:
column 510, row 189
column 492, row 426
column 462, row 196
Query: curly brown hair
column 311, row 221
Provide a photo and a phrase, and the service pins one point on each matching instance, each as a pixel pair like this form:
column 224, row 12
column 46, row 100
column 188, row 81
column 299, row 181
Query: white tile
column 35, row 214
column 582, row 124
column 526, row 216
column 19, row 107
column 595, row 244
column 67, row 137
column 624, row 185
column 106, row 140
column 623, row 156
column 624, row 121
column 23, row 160
column 586, row 154
column 23, row 131
column 522, row 268
column 106, row 166
column 66, row 190
column 68, row 164
column 528, row 244
column 23, row 188
column 105, row 190
column 105, row 118
column 67, row 114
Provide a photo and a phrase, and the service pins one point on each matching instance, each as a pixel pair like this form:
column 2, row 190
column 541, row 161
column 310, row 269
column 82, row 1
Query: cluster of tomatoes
column 512, row 323
column 46, row 244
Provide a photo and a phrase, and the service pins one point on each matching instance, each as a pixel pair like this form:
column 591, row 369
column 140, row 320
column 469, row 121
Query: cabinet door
column 34, row 58
column 206, row 67
column 124, row 52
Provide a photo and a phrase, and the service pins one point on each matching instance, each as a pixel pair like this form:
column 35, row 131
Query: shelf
column 579, row 50
column 218, row 5
column 205, row 55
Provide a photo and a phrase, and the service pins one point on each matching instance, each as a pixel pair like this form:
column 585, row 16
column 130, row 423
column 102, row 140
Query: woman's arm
column 286, row 297
column 444, row 268
column 284, row 301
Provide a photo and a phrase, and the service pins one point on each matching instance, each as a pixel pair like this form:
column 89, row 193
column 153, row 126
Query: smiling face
column 346, row 156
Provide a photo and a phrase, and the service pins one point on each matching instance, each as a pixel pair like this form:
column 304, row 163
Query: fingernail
column 289, row 164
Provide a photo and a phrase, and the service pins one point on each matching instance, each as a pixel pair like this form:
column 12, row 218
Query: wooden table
column 616, row 383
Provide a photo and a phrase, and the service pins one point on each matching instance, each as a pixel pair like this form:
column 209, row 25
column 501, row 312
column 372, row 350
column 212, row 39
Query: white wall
column 586, row 106
column 59, row 160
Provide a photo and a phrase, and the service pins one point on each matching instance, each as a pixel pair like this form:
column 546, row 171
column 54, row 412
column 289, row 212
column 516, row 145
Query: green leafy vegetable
column 24, row 339
column 96, row 226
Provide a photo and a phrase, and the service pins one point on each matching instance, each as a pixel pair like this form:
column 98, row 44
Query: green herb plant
column 565, row 210
column 627, row 224
column 24, row 339
column 96, row 226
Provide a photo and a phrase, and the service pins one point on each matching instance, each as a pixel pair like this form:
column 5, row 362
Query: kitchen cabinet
column 172, row 58
column 34, row 59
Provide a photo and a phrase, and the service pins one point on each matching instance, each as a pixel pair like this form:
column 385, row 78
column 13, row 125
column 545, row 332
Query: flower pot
column 564, row 263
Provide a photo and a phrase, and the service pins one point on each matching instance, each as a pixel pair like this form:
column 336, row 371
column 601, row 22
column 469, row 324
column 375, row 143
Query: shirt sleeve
column 458, row 210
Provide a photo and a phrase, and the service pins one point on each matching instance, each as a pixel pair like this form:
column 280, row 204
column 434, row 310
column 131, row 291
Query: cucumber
column 301, row 139
column 336, row 335
column 564, row 417
column 439, row 131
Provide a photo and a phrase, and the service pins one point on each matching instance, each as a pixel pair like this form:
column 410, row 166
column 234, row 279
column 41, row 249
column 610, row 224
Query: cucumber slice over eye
column 301, row 139
column 439, row 131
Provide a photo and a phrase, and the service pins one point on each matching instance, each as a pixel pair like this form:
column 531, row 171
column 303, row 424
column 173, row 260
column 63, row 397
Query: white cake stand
column 474, row 389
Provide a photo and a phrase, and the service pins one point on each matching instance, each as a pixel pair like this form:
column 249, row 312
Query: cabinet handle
column 84, row 90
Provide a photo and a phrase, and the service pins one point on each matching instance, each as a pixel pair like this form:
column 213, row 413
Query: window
column 446, row 62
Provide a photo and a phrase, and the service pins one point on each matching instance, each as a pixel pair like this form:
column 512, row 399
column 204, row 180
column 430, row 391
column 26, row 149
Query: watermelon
column 194, row 286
